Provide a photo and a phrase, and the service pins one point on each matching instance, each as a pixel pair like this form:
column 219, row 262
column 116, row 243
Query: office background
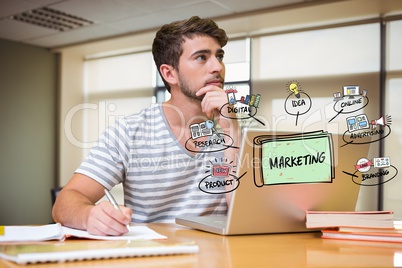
column 56, row 98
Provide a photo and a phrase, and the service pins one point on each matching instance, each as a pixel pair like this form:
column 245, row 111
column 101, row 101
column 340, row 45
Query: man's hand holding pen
column 105, row 219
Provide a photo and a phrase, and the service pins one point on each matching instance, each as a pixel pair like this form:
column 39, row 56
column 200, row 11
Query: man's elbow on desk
column 68, row 211
column 75, row 200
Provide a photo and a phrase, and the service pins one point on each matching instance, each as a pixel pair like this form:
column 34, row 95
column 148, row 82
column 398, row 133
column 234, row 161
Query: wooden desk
column 275, row 250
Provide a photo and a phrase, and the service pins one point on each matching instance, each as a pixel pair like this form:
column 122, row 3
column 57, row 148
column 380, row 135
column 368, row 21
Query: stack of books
column 365, row 225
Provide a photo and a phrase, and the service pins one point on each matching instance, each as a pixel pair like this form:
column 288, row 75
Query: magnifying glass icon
column 211, row 125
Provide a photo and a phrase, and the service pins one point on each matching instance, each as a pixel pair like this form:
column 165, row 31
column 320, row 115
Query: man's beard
column 185, row 89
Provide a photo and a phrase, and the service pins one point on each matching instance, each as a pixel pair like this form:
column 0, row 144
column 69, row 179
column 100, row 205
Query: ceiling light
column 52, row 19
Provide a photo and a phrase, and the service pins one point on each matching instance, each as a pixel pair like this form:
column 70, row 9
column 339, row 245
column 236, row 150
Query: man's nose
column 217, row 65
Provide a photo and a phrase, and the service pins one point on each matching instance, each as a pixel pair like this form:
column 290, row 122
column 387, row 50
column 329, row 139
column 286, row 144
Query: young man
column 153, row 153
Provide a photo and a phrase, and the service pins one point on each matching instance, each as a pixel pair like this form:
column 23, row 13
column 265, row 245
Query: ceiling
column 87, row 20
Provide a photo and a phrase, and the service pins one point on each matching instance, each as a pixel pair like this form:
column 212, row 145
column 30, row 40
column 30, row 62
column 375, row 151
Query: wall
column 70, row 121
column 28, row 133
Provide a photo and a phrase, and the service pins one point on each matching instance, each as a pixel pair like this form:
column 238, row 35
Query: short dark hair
column 167, row 45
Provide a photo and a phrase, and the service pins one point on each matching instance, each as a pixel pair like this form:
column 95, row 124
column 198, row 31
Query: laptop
column 283, row 175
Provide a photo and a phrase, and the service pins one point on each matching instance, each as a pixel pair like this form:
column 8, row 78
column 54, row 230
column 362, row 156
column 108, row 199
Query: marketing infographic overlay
column 293, row 159
column 301, row 157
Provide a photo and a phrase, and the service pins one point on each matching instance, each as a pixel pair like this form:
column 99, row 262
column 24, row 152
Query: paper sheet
column 137, row 232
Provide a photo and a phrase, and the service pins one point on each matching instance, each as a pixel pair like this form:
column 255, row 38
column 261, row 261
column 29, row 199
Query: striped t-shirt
column 160, row 177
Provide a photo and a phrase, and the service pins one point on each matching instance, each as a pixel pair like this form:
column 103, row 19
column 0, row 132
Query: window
column 394, row 58
column 237, row 61
column 117, row 74
column 114, row 87
column 342, row 50
column 321, row 62
column 393, row 143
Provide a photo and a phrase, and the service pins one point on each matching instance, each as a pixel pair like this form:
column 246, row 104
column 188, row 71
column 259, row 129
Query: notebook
column 55, row 231
column 91, row 250
column 283, row 175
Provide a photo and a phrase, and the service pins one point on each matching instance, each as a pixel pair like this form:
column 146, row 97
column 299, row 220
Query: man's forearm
column 72, row 209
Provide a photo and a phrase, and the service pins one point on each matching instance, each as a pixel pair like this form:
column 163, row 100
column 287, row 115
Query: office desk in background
column 273, row 250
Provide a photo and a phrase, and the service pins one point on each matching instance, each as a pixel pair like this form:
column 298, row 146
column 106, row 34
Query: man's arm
column 75, row 207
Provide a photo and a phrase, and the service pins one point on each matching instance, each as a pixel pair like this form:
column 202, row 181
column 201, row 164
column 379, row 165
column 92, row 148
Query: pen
column 114, row 203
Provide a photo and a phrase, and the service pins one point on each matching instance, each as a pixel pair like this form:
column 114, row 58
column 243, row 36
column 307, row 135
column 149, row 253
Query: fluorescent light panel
column 52, row 19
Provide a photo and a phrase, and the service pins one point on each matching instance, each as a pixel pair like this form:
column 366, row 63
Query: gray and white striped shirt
column 160, row 177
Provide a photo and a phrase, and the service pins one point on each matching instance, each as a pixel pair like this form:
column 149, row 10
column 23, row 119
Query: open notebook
column 58, row 232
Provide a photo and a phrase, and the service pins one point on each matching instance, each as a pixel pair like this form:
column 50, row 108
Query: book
column 370, row 230
column 367, row 219
column 392, row 235
column 56, row 231
column 91, row 250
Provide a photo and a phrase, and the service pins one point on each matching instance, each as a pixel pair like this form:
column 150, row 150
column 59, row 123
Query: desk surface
column 273, row 250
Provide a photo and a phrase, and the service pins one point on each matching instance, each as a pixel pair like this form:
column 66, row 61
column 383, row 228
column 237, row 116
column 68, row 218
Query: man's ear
column 169, row 74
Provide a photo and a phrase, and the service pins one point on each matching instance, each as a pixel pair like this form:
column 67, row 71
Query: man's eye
column 201, row 57
column 220, row 57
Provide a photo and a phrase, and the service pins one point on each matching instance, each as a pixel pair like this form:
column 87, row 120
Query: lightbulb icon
column 294, row 88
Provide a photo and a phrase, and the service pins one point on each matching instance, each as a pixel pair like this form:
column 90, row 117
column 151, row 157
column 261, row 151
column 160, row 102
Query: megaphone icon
column 381, row 121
